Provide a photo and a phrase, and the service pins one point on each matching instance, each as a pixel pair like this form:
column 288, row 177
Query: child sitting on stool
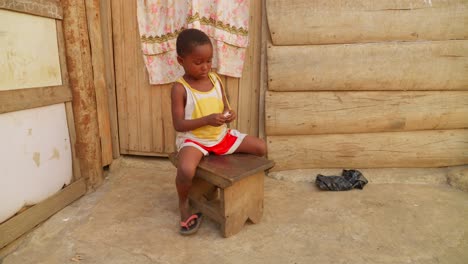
column 200, row 112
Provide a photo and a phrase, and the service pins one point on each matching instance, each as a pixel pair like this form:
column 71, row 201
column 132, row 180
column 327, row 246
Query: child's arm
column 178, row 98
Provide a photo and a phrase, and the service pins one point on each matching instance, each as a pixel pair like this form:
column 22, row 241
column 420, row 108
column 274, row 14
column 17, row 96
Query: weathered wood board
column 303, row 113
column 25, row 221
column 435, row 148
column 437, row 65
column 93, row 14
column 299, row 22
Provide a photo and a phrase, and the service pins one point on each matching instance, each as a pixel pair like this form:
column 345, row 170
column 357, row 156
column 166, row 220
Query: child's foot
column 191, row 225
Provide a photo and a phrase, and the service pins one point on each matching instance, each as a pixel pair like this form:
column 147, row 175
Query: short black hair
column 189, row 39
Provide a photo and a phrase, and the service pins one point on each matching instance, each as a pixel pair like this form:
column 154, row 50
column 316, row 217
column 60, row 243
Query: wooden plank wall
column 144, row 112
column 389, row 89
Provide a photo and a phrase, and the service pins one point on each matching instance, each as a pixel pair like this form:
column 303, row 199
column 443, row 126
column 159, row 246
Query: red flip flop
column 186, row 230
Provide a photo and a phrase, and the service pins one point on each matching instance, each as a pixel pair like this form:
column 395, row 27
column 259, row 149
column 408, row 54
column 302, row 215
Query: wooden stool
column 239, row 179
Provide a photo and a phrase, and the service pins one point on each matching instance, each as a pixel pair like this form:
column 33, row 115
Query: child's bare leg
column 252, row 145
column 189, row 157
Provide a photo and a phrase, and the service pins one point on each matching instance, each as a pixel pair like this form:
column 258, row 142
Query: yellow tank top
column 200, row 104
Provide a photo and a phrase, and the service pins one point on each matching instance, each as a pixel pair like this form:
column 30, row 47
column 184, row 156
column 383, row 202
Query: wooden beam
column 62, row 56
column 80, row 71
column 438, row 65
column 250, row 81
column 232, row 91
column 120, row 38
column 435, row 148
column 265, row 40
column 160, row 98
column 31, row 217
column 305, row 113
column 108, row 47
column 44, row 8
column 142, row 153
column 343, row 21
column 169, row 133
column 99, row 78
column 374, row 175
column 15, row 100
column 72, row 134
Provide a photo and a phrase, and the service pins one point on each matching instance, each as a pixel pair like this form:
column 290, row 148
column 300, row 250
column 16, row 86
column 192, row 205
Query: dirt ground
column 133, row 218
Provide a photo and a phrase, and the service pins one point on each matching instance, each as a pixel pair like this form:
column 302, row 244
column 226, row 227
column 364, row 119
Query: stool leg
column 256, row 215
column 241, row 201
column 202, row 189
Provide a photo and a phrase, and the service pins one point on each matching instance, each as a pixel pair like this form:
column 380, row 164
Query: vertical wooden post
column 80, row 72
column 265, row 39
column 108, row 47
column 93, row 17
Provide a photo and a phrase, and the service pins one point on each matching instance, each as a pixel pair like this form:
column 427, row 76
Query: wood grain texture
column 242, row 201
column 120, row 73
column 232, row 91
column 432, row 176
column 106, row 22
column 132, row 69
column 93, row 15
column 79, row 65
column 438, row 65
column 44, row 8
column 72, row 135
column 223, row 171
column 301, row 22
column 197, row 195
column 435, row 148
column 25, row 221
column 305, row 113
column 15, row 100
column 265, row 41
column 144, row 110
column 166, row 116
column 62, row 56
column 68, row 105
column 249, row 84
column 157, row 122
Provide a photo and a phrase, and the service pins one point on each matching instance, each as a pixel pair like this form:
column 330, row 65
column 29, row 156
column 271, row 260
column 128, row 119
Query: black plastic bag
column 348, row 180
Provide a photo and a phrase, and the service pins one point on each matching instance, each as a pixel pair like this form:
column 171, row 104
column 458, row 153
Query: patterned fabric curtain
column 224, row 21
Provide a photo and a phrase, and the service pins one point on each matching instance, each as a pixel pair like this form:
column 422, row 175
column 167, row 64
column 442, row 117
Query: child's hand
column 215, row 119
column 231, row 117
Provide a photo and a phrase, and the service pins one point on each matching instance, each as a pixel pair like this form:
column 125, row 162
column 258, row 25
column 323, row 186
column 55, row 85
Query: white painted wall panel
column 29, row 55
column 35, row 156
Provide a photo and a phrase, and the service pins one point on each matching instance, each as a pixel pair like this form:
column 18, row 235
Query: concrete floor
column 133, row 218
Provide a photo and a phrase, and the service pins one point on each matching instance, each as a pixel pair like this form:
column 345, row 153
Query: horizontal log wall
column 303, row 113
column 300, row 22
column 434, row 148
column 436, row 65
column 400, row 101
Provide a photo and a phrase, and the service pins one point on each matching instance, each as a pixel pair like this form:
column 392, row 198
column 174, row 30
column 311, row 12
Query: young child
column 200, row 112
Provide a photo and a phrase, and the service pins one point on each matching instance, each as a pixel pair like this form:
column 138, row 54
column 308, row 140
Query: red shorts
column 227, row 145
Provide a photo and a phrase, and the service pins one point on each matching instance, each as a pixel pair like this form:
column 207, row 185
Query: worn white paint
column 29, row 55
column 35, row 156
